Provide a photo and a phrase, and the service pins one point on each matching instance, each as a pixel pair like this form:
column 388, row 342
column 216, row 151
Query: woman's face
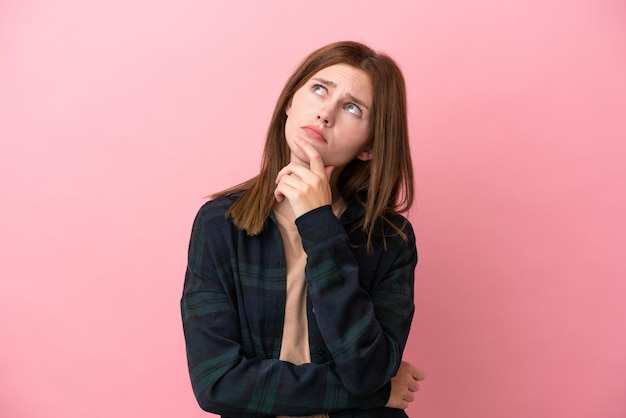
column 332, row 112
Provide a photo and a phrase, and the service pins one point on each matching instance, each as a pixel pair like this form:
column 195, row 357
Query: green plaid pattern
column 359, row 305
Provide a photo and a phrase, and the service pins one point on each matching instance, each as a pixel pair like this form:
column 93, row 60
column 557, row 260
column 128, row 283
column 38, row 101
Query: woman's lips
column 314, row 133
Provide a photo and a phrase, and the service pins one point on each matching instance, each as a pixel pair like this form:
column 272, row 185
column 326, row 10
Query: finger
column 280, row 192
column 315, row 159
column 306, row 176
column 278, row 195
column 291, row 188
column 285, row 185
column 415, row 371
column 285, row 171
column 293, row 169
column 414, row 387
column 417, row 374
column 409, row 397
column 292, row 182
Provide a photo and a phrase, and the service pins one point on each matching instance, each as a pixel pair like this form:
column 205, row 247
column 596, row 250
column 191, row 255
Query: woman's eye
column 319, row 89
column 354, row 109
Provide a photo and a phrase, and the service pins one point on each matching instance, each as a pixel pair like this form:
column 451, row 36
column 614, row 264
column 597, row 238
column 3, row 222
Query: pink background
column 117, row 117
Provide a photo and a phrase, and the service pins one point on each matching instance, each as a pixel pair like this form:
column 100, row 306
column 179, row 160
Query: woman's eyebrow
column 325, row 82
column 348, row 95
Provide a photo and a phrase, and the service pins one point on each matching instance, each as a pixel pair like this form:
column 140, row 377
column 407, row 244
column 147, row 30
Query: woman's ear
column 366, row 154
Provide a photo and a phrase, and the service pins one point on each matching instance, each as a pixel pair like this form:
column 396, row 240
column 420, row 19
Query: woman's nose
column 325, row 114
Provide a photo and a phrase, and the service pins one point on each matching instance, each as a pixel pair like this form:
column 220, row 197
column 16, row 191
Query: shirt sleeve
column 365, row 331
column 224, row 379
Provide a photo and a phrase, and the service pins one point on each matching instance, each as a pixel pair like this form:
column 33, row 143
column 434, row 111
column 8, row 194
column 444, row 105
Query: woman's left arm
column 365, row 332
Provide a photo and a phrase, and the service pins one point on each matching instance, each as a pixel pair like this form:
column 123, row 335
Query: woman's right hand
column 306, row 187
column 404, row 385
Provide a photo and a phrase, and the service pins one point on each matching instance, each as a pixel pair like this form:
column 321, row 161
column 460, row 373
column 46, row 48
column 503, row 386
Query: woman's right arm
column 224, row 379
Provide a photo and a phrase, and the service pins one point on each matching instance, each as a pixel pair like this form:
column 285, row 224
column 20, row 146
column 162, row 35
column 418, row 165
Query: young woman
column 298, row 296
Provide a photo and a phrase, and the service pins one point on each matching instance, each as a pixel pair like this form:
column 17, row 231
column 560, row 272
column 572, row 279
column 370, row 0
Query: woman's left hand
column 404, row 385
column 305, row 188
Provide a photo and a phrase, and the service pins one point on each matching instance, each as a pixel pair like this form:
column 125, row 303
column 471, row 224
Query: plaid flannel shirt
column 359, row 306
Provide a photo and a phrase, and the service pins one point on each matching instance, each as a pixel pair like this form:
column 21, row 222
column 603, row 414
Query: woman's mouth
column 314, row 133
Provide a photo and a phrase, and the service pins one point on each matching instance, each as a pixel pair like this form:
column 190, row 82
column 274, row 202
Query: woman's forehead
column 348, row 79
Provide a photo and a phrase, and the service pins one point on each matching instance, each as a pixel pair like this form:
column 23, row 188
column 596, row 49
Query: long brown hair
column 382, row 185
